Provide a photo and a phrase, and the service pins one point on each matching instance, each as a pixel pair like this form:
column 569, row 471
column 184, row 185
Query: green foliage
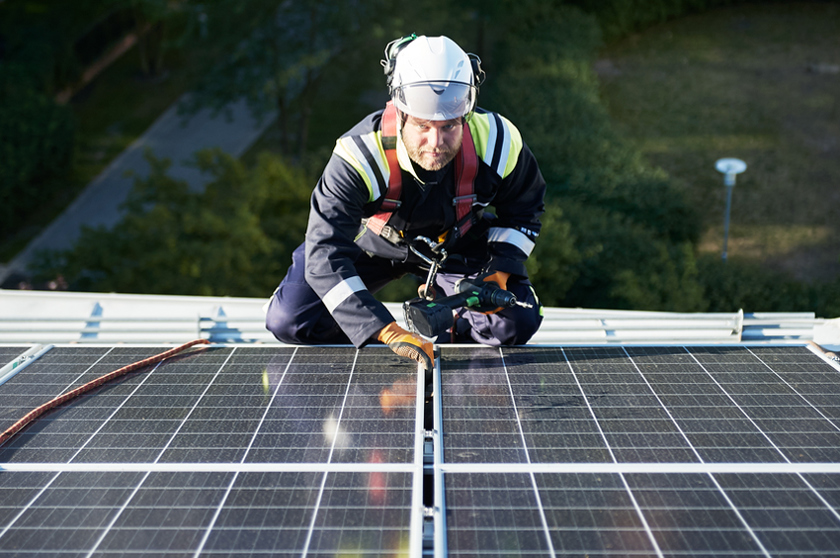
column 277, row 56
column 620, row 17
column 36, row 144
column 625, row 265
column 40, row 36
column 554, row 265
column 617, row 232
column 234, row 238
column 737, row 284
column 633, row 231
column 400, row 290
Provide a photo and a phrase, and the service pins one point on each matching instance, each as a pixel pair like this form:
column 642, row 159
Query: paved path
column 98, row 204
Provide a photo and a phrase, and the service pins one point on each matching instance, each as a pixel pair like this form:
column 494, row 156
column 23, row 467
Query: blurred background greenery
column 626, row 103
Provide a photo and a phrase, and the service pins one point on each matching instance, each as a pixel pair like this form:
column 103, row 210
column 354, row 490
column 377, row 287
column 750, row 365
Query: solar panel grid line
column 201, row 543
column 174, row 467
column 631, row 468
column 528, row 460
column 119, row 513
column 439, row 498
column 786, row 514
column 218, row 510
column 329, row 459
column 123, row 403
column 632, row 496
column 648, row 531
column 28, row 506
column 746, row 524
column 800, row 395
column 192, row 409
column 743, row 521
column 44, row 392
column 589, row 407
column 116, row 517
column 752, row 420
column 740, row 408
column 640, row 514
column 732, row 506
column 828, row 420
column 665, row 407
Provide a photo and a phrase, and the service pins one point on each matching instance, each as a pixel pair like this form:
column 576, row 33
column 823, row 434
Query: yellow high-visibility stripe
column 485, row 132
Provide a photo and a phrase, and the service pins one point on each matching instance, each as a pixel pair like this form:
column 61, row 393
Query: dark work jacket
column 352, row 187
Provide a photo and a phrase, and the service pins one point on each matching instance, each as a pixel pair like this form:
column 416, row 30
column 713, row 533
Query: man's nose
column 435, row 137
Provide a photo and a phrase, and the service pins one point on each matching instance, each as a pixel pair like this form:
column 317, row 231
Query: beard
column 431, row 158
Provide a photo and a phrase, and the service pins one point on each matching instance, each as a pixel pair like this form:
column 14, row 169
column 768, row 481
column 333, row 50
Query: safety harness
column 466, row 169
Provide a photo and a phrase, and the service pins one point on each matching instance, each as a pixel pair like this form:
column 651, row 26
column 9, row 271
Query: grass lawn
column 756, row 82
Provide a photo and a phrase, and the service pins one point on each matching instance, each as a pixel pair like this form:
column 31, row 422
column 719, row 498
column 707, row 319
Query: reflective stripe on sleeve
column 498, row 142
column 340, row 292
column 511, row 236
column 364, row 154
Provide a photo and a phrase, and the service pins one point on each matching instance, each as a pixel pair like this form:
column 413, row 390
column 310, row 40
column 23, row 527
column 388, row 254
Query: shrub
column 36, row 144
column 735, row 284
column 620, row 17
column 235, row 238
column 633, row 231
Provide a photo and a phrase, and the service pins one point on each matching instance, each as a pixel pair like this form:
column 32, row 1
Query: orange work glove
column 498, row 277
column 408, row 344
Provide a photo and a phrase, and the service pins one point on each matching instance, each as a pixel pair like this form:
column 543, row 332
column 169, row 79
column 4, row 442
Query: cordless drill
column 430, row 318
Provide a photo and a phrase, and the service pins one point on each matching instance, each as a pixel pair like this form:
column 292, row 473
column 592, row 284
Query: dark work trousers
column 296, row 314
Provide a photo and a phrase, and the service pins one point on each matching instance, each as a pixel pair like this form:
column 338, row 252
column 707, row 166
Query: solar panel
column 641, row 451
column 234, row 450
column 530, row 451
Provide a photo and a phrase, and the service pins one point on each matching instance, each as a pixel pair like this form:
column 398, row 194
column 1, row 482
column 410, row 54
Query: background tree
column 633, row 231
column 152, row 20
column 39, row 55
column 277, row 56
column 235, row 238
column 618, row 233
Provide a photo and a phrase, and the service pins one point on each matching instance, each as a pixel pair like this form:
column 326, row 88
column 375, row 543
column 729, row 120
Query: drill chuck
column 430, row 318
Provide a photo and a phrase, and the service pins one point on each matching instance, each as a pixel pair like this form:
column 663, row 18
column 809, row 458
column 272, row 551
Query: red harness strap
column 466, row 169
column 392, row 197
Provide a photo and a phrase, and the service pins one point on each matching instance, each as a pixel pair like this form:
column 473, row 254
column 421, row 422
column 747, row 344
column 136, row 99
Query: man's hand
column 499, row 278
column 408, row 344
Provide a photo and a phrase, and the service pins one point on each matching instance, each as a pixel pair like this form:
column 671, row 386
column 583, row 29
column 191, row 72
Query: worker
column 428, row 165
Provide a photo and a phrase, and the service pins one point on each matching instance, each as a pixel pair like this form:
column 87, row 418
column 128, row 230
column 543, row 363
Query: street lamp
column 729, row 167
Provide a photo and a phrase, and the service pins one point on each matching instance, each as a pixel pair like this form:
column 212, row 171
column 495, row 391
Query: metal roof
column 73, row 317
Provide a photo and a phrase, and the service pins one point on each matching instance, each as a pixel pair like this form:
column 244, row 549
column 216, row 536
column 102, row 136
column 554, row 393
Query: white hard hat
column 432, row 77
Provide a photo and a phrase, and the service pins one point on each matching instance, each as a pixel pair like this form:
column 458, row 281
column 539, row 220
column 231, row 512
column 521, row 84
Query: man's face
column 432, row 143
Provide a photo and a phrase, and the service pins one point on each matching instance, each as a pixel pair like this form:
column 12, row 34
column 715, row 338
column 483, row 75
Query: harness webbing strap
column 466, row 169
column 392, row 197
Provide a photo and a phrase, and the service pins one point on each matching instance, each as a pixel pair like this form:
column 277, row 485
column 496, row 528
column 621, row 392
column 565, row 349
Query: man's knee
column 525, row 325
column 516, row 326
column 296, row 316
column 281, row 322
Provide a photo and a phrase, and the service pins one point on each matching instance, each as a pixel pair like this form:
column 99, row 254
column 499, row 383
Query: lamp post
column 729, row 167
